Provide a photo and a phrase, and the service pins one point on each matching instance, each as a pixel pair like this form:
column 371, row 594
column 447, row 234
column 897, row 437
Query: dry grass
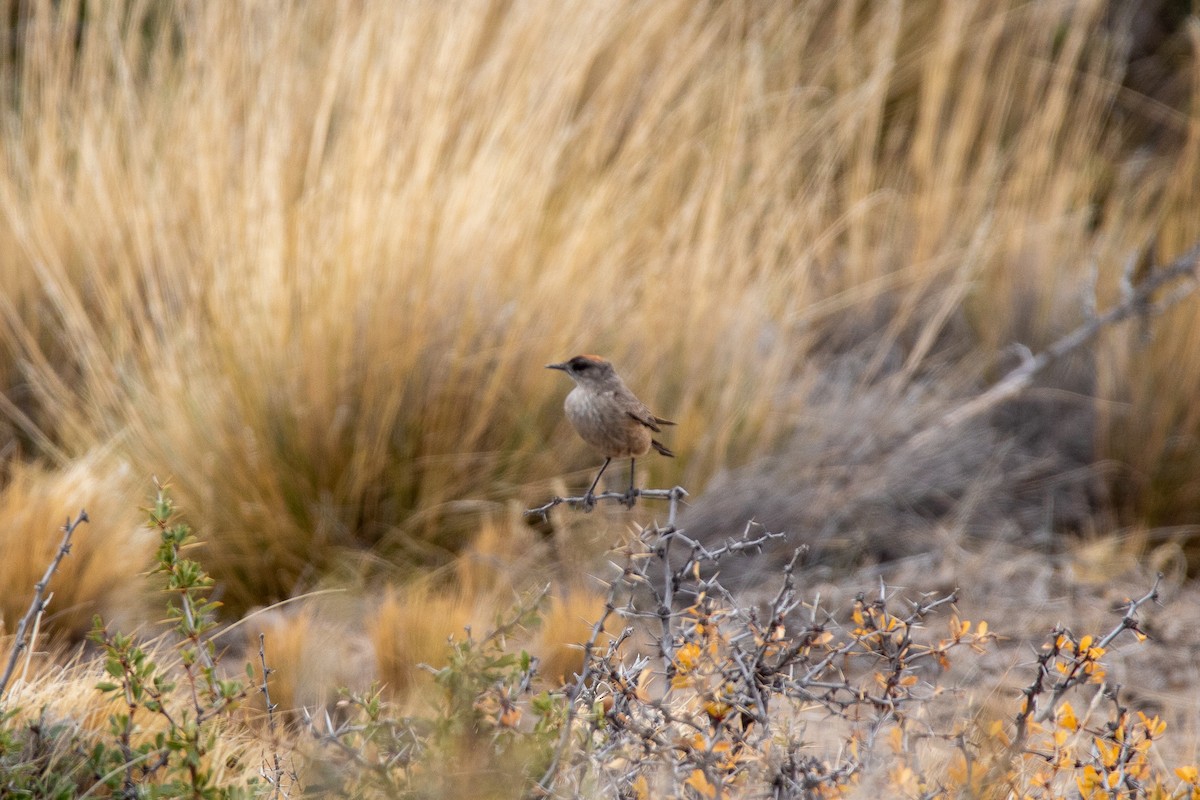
column 310, row 260
column 73, row 715
column 313, row 650
column 103, row 573
column 409, row 627
column 307, row 260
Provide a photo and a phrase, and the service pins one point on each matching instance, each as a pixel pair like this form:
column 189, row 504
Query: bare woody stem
column 37, row 607
column 1129, row 622
column 1136, row 302
column 674, row 495
column 275, row 778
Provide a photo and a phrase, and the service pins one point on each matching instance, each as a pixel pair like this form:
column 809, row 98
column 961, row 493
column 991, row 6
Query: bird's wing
column 637, row 410
column 646, row 419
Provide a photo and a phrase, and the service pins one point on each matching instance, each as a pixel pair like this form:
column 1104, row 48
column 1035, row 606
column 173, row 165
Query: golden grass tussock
column 310, row 260
column 410, row 624
column 307, row 260
column 67, row 695
column 503, row 556
column 104, row 571
column 312, row 651
column 565, row 628
column 410, row 627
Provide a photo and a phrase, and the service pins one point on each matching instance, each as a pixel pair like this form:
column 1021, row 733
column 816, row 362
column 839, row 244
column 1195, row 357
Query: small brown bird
column 609, row 417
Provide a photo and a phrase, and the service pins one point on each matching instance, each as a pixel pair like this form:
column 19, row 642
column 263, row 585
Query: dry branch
column 1136, row 302
column 37, row 607
column 675, row 495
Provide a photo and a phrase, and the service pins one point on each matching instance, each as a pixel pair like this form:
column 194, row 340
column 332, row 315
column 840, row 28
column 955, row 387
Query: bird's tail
column 660, row 447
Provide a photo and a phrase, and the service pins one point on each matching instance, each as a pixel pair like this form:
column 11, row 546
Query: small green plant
column 161, row 738
column 484, row 731
column 39, row 759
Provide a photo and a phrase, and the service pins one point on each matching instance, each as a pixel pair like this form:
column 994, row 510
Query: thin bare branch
column 37, row 607
column 1136, row 301
column 675, row 495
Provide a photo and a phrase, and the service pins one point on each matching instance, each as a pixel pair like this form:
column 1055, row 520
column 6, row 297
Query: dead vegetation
column 307, row 259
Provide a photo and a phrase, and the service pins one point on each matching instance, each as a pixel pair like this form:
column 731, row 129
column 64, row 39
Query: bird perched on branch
column 609, row 417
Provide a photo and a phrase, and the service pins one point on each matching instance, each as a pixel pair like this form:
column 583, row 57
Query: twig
column 662, row 537
column 666, row 601
column 275, row 778
column 1128, row 622
column 743, row 545
column 1134, row 302
column 37, row 626
column 37, row 607
column 674, row 495
column 576, row 691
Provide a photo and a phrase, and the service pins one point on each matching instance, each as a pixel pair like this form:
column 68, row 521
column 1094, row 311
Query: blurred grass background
column 306, row 260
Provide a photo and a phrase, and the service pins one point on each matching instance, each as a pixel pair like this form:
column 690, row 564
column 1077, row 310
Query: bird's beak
column 562, row 366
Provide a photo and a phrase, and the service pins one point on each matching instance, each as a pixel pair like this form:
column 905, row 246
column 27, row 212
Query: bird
column 609, row 417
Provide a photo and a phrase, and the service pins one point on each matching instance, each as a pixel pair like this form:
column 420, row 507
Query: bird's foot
column 630, row 498
column 589, row 502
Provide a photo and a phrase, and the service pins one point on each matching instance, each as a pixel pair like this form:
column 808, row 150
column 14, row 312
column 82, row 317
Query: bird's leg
column 589, row 499
column 631, row 495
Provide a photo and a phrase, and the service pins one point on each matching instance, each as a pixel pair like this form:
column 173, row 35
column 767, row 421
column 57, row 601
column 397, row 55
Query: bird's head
column 588, row 371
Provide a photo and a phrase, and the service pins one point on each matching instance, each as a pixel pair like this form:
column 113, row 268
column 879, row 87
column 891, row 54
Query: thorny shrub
column 682, row 690
column 686, row 691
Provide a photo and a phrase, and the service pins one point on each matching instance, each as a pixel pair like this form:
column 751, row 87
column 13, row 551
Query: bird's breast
column 603, row 423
